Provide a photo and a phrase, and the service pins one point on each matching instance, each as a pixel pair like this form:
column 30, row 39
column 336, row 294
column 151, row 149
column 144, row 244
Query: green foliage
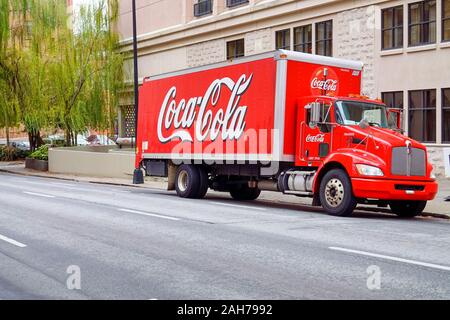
column 40, row 153
column 54, row 78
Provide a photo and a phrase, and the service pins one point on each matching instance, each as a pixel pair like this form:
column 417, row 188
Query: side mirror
column 316, row 112
column 395, row 119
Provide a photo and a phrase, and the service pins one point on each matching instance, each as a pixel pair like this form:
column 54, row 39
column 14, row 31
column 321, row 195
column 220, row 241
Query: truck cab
column 354, row 145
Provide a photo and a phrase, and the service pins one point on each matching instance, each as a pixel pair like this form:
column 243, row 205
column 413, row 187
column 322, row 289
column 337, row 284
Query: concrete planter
column 40, row 165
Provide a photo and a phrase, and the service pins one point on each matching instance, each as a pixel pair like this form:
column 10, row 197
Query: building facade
column 404, row 44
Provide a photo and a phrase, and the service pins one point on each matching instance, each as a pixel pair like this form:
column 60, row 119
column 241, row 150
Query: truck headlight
column 432, row 175
column 366, row 170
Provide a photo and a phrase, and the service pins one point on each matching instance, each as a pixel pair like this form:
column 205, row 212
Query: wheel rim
column 183, row 181
column 334, row 192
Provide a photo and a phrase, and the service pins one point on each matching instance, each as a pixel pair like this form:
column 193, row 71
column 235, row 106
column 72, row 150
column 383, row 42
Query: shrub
column 40, row 154
column 8, row 153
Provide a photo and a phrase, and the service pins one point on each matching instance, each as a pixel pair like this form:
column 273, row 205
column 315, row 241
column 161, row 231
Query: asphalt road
column 132, row 243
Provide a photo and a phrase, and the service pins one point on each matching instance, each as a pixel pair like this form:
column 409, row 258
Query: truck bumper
column 394, row 189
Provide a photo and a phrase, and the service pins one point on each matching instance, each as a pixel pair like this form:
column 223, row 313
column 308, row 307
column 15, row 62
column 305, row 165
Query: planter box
column 40, row 165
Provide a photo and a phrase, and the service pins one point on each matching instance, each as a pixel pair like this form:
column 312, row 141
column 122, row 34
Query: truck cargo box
column 236, row 110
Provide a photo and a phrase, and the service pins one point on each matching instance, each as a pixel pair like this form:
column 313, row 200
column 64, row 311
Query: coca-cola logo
column 327, row 85
column 324, row 81
column 228, row 121
column 317, row 138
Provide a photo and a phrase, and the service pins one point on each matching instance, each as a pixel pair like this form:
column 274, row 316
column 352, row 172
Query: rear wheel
column 244, row 192
column 203, row 179
column 407, row 209
column 336, row 194
column 187, row 181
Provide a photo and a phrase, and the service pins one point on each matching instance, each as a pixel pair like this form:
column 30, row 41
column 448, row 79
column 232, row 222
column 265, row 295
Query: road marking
column 238, row 206
column 12, row 241
column 419, row 263
column 149, row 214
column 39, row 194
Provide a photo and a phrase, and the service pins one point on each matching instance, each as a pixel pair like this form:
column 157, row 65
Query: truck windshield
column 352, row 112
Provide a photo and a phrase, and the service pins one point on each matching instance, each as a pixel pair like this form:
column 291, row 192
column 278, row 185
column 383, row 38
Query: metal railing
column 203, row 7
column 233, row 3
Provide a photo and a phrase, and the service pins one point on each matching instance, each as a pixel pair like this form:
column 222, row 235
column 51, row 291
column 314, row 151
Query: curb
column 30, row 174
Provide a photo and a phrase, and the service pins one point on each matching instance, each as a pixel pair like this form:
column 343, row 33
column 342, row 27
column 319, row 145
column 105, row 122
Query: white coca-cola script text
column 228, row 121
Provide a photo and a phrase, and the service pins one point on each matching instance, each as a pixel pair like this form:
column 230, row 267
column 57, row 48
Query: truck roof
column 350, row 98
column 277, row 55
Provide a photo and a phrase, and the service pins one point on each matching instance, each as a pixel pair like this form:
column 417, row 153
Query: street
column 133, row 243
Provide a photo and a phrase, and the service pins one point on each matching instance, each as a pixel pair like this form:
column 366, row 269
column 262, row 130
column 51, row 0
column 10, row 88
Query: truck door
column 316, row 138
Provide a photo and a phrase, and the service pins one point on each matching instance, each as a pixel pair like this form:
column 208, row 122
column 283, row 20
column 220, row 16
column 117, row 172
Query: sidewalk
column 436, row 208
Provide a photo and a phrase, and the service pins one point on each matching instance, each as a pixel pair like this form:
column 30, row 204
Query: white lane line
column 238, row 206
column 419, row 263
column 12, row 241
column 149, row 214
column 39, row 194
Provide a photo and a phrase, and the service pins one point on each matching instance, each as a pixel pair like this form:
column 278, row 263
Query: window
column 202, row 7
column 324, row 38
column 233, row 3
column 422, row 115
column 392, row 28
column 283, row 39
column 303, row 39
column 235, row 49
column 422, row 22
column 393, row 100
column 446, row 115
column 445, row 20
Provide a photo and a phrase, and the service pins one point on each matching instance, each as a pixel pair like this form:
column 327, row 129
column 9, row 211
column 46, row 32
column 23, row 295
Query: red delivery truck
column 281, row 121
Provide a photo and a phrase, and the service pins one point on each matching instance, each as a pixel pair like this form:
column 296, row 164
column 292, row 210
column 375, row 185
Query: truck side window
column 325, row 119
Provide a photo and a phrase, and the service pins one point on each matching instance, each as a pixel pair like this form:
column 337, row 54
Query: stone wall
column 258, row 41
column 354, row 32
column 436, row 157
column 206, row 53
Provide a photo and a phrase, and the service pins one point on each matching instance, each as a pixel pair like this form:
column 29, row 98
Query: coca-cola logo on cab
column 317, row 138
column 324, row 82
column 228, row 121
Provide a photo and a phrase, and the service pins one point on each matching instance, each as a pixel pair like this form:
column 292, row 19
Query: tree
column 53, row 77
column 88, row 72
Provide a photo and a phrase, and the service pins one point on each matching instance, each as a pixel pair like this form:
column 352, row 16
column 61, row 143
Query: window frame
column 284, row 37
column 442, row 114
column 421, row 23
column 197, row 5
column 325, row 40
column 392, row 28
column 235, row 52
column 444, row 19
column 304, row 32
column 423, row 108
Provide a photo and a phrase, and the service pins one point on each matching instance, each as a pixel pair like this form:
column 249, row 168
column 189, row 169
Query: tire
column 203, row 186
column 243, row 193
column 407, row 209
column 336, row 195
column 187, row 181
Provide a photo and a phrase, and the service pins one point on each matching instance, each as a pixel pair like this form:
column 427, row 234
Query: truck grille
column 408, row 164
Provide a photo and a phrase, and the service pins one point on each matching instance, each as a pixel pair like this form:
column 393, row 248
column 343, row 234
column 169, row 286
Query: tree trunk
column 68, row 138
column 34, row 136
column 7, row 136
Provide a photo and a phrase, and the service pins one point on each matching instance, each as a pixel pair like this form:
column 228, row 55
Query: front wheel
column 407, row 209
column 336, row 193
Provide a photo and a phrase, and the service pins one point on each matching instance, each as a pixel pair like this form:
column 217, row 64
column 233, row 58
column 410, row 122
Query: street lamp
column 138, row 176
